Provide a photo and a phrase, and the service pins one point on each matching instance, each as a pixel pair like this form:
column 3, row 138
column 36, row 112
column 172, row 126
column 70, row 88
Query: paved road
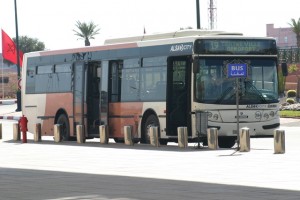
column 47, row 170
column 38, row 185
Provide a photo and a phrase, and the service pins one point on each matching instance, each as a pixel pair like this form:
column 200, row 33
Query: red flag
column 9, row 49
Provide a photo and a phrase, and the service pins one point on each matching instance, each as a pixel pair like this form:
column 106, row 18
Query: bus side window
column 129, row 90
column 161, row 89
column 115, row 80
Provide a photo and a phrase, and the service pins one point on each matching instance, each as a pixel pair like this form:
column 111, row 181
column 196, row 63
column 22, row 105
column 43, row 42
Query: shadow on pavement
column 173, row 147
column 41, row 185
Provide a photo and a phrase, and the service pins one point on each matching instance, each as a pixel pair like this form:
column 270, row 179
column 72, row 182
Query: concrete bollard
column 103, row 134
column 212, row 138
column 16, row 132
column 279, row 141
column 0, row 131
column 80, row 134
column 154, row 140
column 128, row 135
column 37, row 136
column 182, row 137
column 57, row 133
column 244, row 140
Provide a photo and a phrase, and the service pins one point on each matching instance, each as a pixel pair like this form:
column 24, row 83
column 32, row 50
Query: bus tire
column 226, row 142
column 150, row 121
column 163, row 141
column 65, row 130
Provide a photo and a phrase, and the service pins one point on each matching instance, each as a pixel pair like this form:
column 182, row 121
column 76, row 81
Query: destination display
column 236, row 46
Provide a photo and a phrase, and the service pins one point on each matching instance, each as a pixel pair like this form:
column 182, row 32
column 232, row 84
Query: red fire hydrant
column 23, row 127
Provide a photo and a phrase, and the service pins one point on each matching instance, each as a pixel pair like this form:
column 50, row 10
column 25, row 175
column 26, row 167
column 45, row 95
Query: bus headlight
column 272, row 114
column 216, row 117
column 266, row 115
column 209, row 114
column 258, row 115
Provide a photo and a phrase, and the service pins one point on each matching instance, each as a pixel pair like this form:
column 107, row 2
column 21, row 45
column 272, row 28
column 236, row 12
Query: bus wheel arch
column 62, row 118
column 149, row 119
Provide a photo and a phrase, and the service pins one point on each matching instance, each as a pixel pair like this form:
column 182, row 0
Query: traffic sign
column 237, row 70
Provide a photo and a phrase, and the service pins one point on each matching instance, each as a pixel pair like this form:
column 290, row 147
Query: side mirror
column 284, row 69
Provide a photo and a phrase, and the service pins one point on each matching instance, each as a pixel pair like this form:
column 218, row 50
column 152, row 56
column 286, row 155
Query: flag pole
column 18, row 59
column 2, row 78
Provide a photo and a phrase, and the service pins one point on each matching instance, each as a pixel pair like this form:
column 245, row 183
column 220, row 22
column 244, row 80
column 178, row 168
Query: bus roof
column 168, row 35
column 182, row 36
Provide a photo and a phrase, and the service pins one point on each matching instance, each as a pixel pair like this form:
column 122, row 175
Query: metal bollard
column 154, row 141
column 80, row 134
column 57, row 132
column 212, row 138
column 128, row 135
column 103, row 133
column 182, row 137
column 0, row 131
column 244, row 140
column 16, row 132
column 37, row 137
column 279, row 141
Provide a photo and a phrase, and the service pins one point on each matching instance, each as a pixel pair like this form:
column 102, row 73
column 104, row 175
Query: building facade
column 285, row 37
column 8, row 79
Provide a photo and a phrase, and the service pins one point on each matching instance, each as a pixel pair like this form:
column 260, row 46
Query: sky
column 53, row 21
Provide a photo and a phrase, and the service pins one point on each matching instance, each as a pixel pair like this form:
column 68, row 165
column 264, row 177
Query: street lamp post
column 198, row 14
column 18, row 59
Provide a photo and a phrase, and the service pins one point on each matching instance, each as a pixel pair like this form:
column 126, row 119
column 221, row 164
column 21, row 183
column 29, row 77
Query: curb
column 8, row 102
column 10, row 117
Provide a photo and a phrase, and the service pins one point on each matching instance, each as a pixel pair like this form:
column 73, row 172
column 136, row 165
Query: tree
column 291, row 69
column 86, row 31
column 27, row 44
column 296, row 29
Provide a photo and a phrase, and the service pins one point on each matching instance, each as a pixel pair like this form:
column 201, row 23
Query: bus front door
column 178, row 94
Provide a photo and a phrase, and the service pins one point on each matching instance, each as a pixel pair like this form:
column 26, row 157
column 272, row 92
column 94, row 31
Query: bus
column 166, row 80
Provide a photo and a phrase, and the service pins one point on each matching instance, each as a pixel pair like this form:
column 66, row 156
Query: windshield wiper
column 224, row 94
column 253, row 89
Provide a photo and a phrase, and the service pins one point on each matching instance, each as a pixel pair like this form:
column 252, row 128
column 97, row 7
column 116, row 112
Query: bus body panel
column 255, row 129
column 33, row 106
column 124, row 114
column 56, row 102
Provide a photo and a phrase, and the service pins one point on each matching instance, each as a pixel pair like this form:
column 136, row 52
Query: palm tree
column 86, row 31
column 293, row 68
column 296, row 29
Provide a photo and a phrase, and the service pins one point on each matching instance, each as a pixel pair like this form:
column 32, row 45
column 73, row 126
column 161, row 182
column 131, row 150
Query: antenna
column 212, row 14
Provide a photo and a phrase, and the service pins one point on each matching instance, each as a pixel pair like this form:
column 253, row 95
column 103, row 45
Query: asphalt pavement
column 67, row 170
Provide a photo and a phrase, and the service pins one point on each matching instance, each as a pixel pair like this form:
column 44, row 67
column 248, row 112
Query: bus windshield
column 213, row 86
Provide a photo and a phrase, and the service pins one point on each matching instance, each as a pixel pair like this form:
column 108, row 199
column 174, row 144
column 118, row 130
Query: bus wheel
column 226, row 142
column 65, row 130
column 150, row 122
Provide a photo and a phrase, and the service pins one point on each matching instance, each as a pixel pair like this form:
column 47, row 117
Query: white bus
column 166, row 80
